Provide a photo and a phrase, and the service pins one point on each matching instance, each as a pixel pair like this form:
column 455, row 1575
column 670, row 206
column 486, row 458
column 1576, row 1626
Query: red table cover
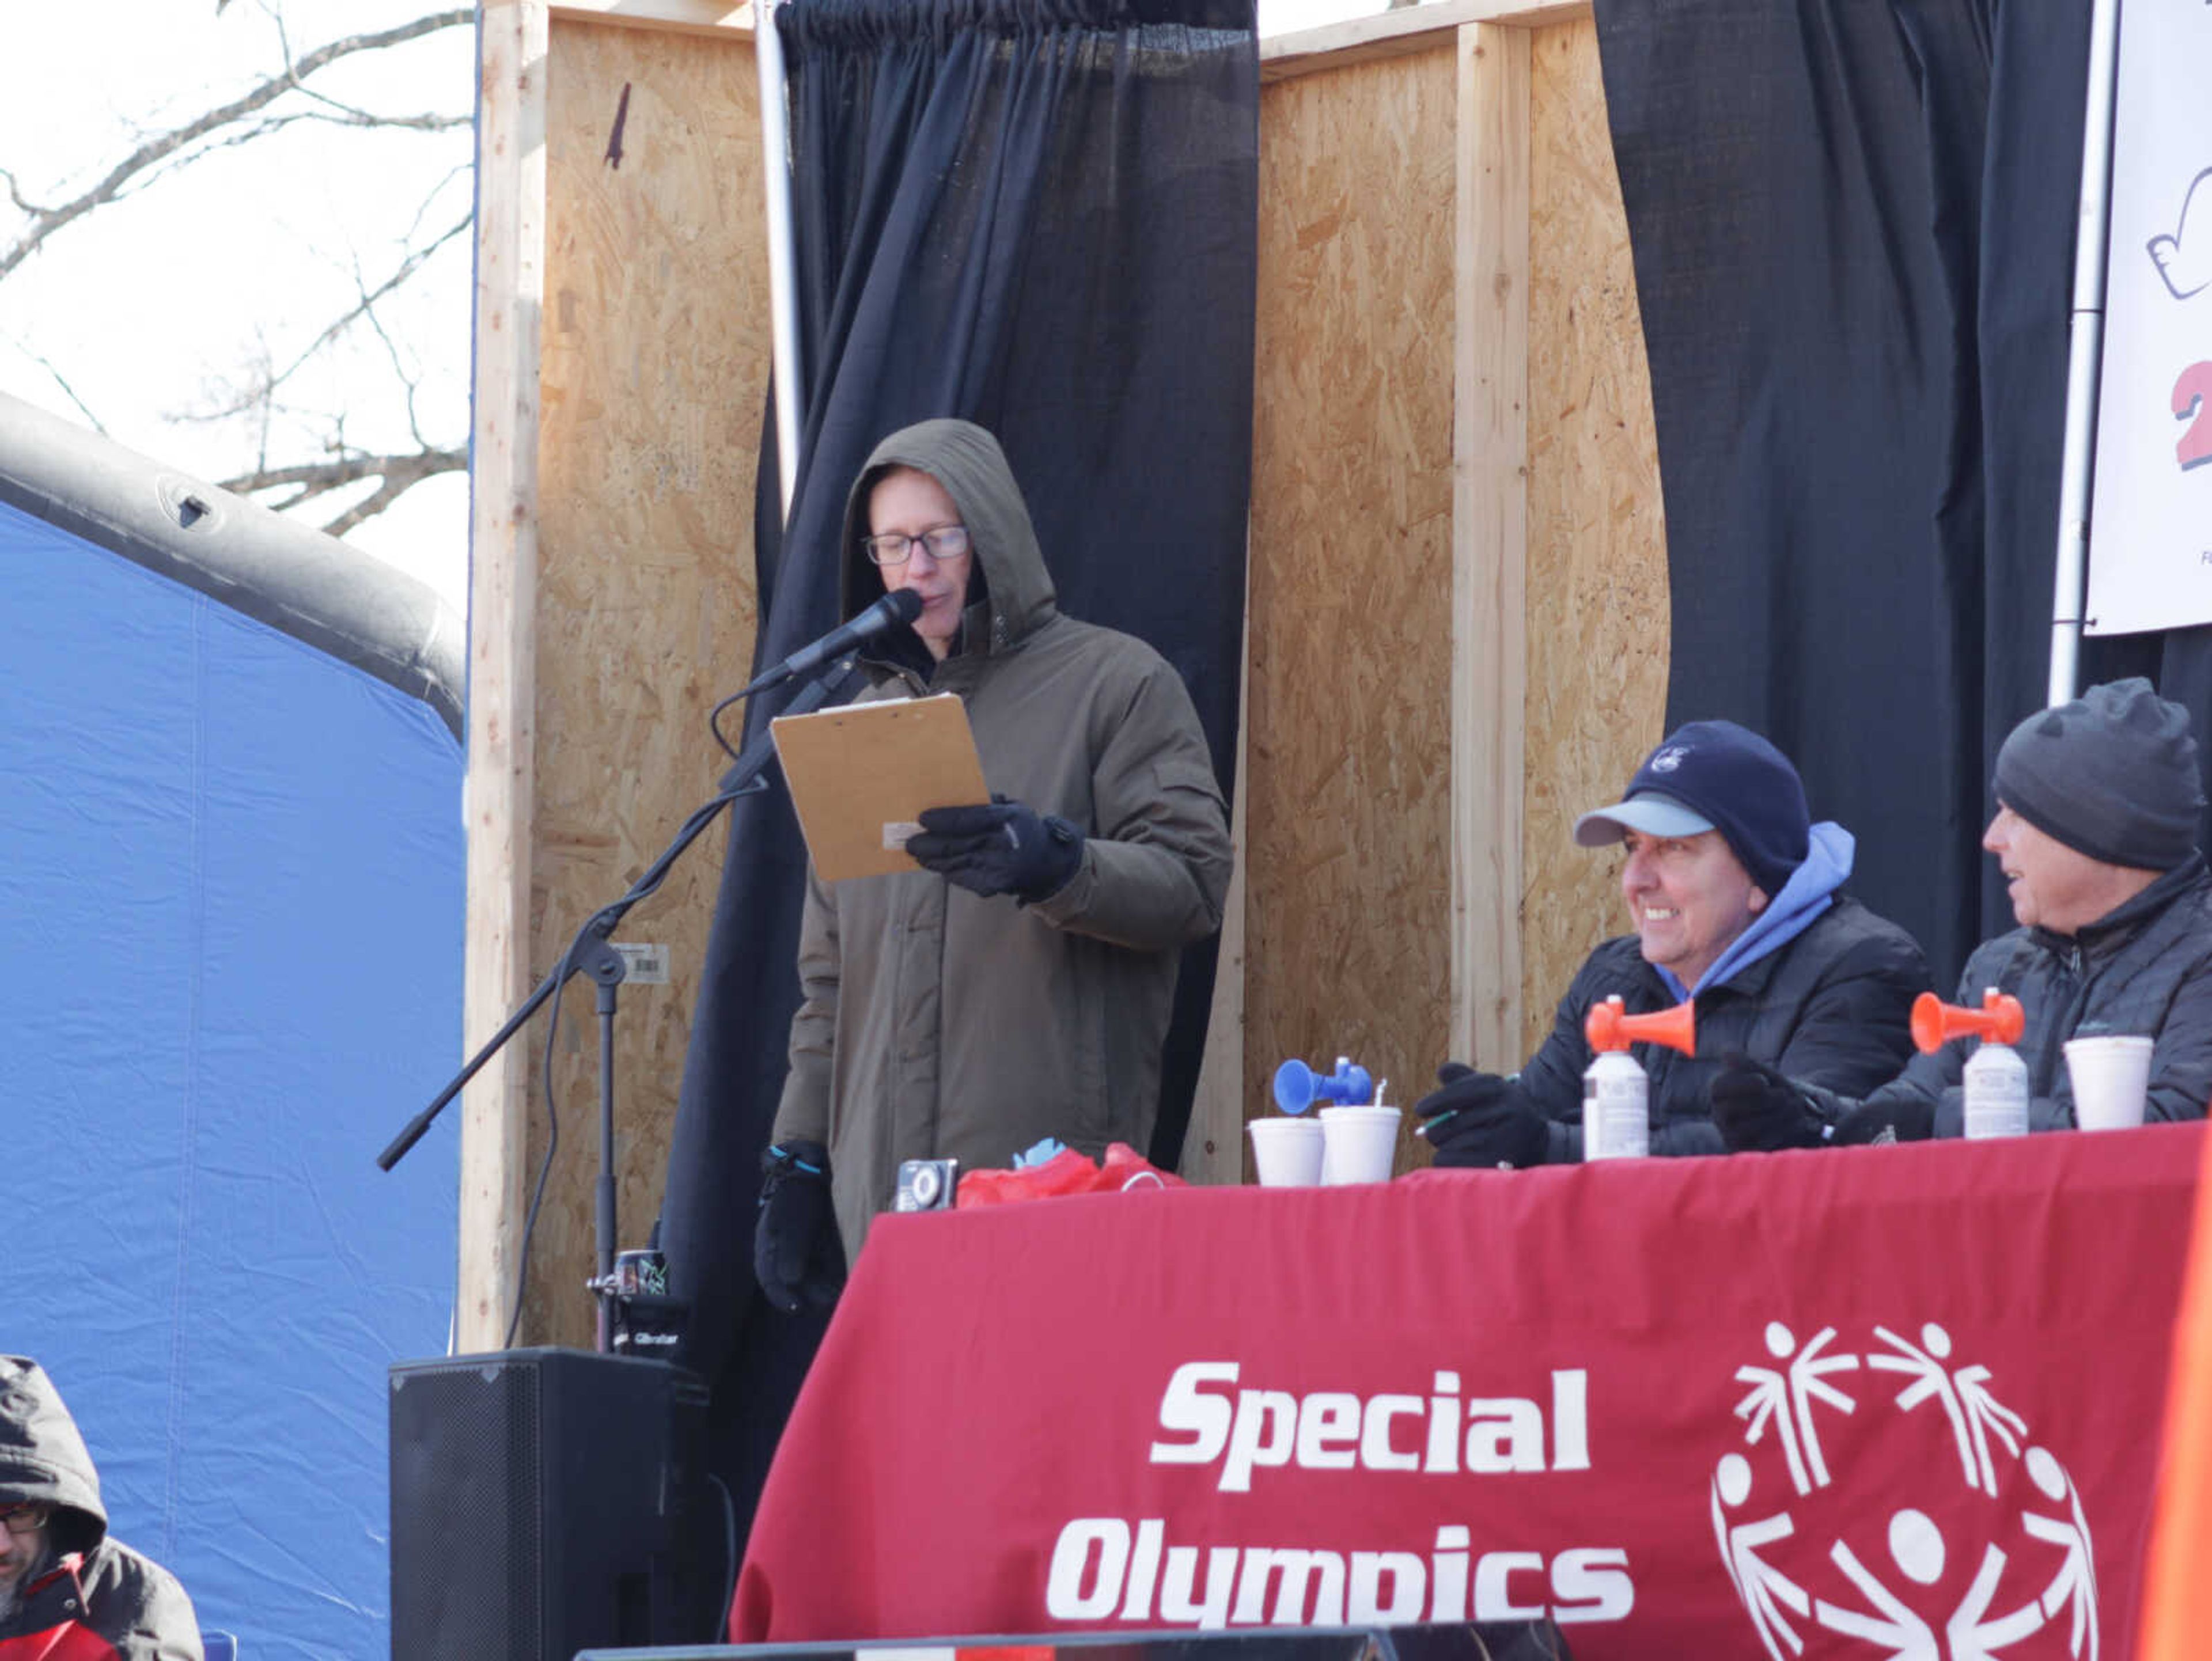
column 1895, row 1402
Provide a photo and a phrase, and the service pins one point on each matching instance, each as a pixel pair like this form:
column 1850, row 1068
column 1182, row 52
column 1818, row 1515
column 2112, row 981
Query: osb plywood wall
column 1348, row 876
column 1598, row 614
column 654, row 367
column 1348, row 757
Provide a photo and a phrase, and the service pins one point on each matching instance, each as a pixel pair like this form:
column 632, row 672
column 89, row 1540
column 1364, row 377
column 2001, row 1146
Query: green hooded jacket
column 937, row 1023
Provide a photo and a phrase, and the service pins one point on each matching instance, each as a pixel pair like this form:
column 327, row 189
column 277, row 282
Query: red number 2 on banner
column 2192, row 395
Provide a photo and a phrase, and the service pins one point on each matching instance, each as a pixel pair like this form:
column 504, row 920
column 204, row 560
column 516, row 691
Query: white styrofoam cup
column 2110, row 1073
column 1287, row 1152
column 1358, row 1144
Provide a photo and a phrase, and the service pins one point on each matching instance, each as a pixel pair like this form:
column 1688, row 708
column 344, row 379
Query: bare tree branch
column 265, row 386
column 54, row 373
column 344, row 117
column 257, row 396
column 161, row 148
column 395, row 485
column 396, row 474
column 398, row 359
column 267, row 126
column 15, row 194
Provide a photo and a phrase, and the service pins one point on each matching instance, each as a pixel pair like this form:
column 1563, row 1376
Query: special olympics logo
column 2010, row 1557
column 1669, row 759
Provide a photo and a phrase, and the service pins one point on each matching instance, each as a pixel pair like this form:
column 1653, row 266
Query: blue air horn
column 1296, row 1085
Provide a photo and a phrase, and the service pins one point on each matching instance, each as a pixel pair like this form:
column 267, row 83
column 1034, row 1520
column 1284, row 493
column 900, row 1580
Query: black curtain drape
column 1853, row 228
column 1041, row 216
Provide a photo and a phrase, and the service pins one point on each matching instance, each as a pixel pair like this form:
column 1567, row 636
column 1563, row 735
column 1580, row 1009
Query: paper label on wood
column 862, row 776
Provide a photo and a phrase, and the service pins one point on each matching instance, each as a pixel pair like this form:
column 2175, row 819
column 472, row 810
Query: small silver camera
column 926, row 1185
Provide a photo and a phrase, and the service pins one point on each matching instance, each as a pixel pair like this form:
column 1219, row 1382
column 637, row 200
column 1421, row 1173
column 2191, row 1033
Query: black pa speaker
column 542, row 1503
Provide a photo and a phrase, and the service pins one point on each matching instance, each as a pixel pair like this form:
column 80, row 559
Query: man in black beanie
column 2098, row 805
column 1734, row 895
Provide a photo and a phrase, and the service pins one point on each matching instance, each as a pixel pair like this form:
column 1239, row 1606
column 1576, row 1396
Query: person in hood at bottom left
column 68, row 1592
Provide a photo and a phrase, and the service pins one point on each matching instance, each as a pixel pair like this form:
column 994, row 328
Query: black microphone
column 900, row 605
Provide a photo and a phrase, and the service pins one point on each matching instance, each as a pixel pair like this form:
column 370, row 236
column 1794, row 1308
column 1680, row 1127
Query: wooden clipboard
column 861, row 775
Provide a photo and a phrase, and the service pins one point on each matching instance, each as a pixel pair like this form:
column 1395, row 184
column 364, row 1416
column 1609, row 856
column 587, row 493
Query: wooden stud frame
column 502, row 656
column 1490, row 541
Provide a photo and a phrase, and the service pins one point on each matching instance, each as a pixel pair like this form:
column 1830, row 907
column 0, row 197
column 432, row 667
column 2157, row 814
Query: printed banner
column 2150, row 522
column 1860, row 1402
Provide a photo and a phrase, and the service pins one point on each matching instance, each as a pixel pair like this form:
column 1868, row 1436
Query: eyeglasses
column 25, row 1516
column 946, row 542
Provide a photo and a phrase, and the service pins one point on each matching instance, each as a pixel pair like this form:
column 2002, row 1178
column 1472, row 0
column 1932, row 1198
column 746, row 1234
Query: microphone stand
column 590, row 953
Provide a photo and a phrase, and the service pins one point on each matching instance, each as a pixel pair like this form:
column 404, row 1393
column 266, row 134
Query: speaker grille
column 540, row 1505
column 467, row 1543
column 523, row 1538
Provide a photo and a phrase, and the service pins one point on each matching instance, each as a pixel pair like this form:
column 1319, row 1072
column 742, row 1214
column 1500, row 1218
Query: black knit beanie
column 2112, row 774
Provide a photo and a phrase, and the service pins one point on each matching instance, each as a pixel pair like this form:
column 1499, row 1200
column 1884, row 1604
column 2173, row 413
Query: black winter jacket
column 1832, row 1007
column 2145, row 969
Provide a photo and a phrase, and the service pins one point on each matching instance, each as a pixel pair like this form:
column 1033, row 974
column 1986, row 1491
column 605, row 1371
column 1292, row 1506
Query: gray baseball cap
column 1648, row 811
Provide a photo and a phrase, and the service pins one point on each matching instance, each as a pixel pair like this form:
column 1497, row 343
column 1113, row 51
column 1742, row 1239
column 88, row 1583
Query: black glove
column 998, row 847
column 1479, row 1119
column 1758, row 1110
column 797, row 1256
column 1910, row 1121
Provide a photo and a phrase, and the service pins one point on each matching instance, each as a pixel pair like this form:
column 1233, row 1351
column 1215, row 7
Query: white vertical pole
column 782, row 251
column 2086, row 347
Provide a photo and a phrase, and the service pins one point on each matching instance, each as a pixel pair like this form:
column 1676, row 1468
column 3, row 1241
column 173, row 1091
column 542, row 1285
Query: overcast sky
column 152, row 307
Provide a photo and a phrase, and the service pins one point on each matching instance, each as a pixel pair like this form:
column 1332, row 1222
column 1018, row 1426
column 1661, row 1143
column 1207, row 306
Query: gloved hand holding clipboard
column 862, row 776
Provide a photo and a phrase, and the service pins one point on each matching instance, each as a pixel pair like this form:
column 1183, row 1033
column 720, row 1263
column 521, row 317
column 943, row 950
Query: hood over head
column 42, row 1456
column 968, row 462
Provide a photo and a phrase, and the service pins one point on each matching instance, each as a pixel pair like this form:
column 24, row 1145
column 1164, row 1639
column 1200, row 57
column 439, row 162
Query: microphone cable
column 603, row 921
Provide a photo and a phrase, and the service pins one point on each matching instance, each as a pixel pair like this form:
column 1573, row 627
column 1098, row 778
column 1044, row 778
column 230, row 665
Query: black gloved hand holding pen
column 1480, row 1120
column 1757, row 1109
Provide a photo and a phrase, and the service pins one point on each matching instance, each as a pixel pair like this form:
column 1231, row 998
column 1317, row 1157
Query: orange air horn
column 1608, row 1029
column 1936, row 1023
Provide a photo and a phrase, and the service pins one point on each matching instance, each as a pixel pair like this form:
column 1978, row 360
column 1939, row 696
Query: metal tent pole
column 782, row 254
column 2086, row 349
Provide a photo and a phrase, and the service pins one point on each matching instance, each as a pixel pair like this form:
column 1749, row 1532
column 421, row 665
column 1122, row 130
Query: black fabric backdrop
column 1853, row 228
column 1041, row 216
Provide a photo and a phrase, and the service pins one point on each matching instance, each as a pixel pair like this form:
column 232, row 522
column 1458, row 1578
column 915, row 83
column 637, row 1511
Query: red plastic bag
column 1066, row 1172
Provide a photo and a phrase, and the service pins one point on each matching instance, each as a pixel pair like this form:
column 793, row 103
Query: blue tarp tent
column 231, row 913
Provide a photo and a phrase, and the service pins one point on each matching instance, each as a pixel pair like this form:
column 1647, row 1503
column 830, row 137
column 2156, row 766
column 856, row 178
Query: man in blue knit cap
column 1733, row 894
column 2099, row 802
